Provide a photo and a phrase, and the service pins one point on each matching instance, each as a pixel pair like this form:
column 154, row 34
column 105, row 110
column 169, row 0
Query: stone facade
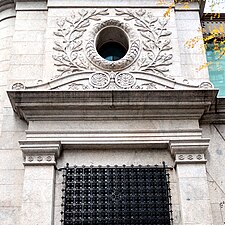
column 61, row 102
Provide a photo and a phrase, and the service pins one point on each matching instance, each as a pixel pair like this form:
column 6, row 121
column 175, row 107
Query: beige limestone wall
column 28, row 47
column 215, row 170
column 12, row 129
column 21, row 59
column 29, row 60
column 191, row 46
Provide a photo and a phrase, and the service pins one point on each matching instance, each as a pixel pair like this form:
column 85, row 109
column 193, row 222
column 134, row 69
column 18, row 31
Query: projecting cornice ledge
column 7, row 9
column 216, row 114
column 5, row 4
column 100, row 105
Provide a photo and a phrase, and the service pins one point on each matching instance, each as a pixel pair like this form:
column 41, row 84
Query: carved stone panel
column 146, row 64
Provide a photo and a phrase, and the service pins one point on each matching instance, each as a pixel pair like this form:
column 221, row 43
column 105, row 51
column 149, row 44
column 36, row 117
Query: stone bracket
column 189, row 151
column 190, row 158
column 40, row 152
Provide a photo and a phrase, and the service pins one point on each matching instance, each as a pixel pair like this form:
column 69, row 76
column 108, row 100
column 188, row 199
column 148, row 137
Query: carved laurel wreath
column 153, row 30
column 70, row 58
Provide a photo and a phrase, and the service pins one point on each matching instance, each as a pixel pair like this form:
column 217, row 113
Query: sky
column 216, row 6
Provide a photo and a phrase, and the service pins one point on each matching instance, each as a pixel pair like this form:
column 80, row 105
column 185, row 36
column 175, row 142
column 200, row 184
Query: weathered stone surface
column 57, row 78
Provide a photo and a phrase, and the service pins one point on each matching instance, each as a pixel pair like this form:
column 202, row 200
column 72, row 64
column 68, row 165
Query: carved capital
column 189, row 151
column 38, row 159
column 40, row 152
column 190, row 158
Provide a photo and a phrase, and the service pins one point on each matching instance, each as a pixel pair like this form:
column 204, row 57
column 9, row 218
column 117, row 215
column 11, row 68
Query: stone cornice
column 98, row 105
column 216, row 114
column 31, row 5
column 6, row 4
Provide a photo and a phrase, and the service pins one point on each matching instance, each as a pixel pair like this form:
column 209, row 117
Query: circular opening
column 112, row 43
column 112, row 51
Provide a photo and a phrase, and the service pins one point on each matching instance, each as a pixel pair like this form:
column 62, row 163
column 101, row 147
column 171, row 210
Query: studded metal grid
column 116, row 196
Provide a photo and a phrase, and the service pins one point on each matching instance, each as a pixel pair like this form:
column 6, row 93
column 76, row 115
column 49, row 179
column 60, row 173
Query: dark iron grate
column 116, row 196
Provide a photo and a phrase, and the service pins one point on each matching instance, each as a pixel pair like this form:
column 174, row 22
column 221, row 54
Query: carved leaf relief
column 70, row 56
column 154, row 32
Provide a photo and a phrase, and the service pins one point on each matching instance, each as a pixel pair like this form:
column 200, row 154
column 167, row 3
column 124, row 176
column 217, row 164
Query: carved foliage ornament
column 70, row 58
column 154, row 31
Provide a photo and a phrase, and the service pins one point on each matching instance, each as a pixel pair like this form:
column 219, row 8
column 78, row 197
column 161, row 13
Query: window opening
column 112, row 51
column 112, row 43
column 116, row 195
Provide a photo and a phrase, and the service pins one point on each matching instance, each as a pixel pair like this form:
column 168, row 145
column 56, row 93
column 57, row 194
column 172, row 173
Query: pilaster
column 192, row 181
column 39, row 180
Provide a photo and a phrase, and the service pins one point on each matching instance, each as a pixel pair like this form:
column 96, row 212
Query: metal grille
column 116, row 196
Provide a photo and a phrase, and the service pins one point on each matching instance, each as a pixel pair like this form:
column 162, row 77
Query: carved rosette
column 99, row 80
column 112, row 80
column 125, row 80
column 40, row 160
column 190, row 158
column 18, row 86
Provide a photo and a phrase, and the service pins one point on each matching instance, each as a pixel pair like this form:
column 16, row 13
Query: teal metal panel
column 216, row 59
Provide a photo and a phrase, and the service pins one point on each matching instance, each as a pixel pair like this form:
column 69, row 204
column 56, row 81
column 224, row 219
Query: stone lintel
column 40, row 152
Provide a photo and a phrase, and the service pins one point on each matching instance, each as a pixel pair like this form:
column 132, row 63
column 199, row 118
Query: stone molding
column 190, row 158
column 131, row 139
column 216, row 114
column 71, row 105
column 6, row 4
column 31, row 5
column 7, row 10
column 44, row 147
column 108, row 80
column 48, row 159
column 189, row 151
column 40, row 152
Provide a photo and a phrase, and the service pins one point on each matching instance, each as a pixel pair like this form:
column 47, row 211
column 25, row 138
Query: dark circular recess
column 112, row 51
column 112, row 43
